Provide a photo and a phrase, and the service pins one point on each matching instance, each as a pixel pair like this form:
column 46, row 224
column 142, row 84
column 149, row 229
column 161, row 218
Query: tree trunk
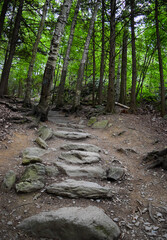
column 8, row 63
column 83, row 61
column 100, row 88
column 111, row 91
column 134, row 70
column 3, row 13
column 27, row 98
column 117, row 83
column 122, row 98
column 43, row 106
column 160, row 61
column 94, row 69
column 60, row 98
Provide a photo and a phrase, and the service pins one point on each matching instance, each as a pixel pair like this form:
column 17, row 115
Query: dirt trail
column 142, row 193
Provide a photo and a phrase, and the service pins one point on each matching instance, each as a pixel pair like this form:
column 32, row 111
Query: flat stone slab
column 34, row 151
column 31, row 159
column 81, row 171
column 41, row 143
column 81, row 147
column 27, row 187
column 79, row 189
column 45, row 133
column 115, row 173
column 72, row 135
column 52, row 171
column 80, row 157
column 73, row 223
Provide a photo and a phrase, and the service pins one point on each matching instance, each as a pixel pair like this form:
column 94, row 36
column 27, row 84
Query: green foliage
column 145, row 46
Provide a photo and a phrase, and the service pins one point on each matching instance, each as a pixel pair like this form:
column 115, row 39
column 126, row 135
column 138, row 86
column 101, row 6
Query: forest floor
column 139, row 208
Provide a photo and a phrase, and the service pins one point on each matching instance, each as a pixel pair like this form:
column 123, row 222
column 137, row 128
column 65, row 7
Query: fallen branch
column 150, row 212
column 122, row 105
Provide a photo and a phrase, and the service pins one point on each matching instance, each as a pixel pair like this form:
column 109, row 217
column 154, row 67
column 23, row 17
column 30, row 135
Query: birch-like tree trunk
column 122, row 98
column 76, row 103
column 160, row 61
column 8, row 62
column 134, row 70
column 100, row 88
column 60, row 97
column 43, row 106
column 27, row 98
column 111, row 90
column 117, row 80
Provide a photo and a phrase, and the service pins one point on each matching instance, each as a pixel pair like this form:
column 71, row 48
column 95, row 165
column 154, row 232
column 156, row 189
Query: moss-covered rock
column 100, row 124
column 9, row 180
column 91, row 121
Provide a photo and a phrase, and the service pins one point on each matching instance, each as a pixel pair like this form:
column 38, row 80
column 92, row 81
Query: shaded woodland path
column 139, row 205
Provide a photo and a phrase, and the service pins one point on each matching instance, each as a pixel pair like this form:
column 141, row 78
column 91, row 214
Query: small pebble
column 9, row 223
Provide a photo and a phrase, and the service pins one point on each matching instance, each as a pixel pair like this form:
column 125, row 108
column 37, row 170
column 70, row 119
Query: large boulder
column 72, row 223
column 81, row 171
column 81, row 147
column 79, row 189
column 80, row 157
column 72, row 135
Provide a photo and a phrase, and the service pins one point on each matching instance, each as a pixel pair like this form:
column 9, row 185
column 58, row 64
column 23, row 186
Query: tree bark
column 117, row 82
column 100, row 88
column 160, row 61
column 94, row 69
column 134, row 70
column 83, row 61
column 43, row 106
column 122, row 98
column 3, row 13
column 60, row 97
column 27, row 98
column 111, row 91
column 8, row 63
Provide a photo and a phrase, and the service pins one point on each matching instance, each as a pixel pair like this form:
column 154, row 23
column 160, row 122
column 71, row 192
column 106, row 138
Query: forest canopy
column 58, row 52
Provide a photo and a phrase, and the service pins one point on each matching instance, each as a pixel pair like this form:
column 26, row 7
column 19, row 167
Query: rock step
column 81, row 147
column 72, row 135
column 80, row 189
column 80, row 157
column 112, row 173
column 72, row 223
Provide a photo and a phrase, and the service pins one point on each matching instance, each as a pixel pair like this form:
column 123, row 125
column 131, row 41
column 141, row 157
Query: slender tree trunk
column 111, row 91
column 83, row 61
column 8, row 63
column 43, row 106
column 3, row 13
column 60, row 98
column 100, row 88
column 117, row 83
column 27, row 98
column 122, row 98
column 94, row 69
column 134, row 70
column 160, row 61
